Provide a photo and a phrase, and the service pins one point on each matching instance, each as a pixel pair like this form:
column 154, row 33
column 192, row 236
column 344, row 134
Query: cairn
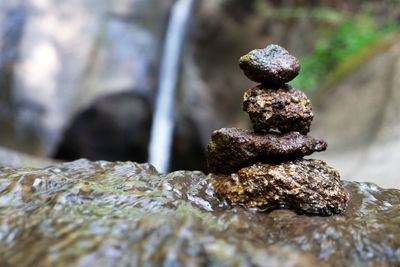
column 263, row 168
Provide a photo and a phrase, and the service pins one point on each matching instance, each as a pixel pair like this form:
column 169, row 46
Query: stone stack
column 263, row 167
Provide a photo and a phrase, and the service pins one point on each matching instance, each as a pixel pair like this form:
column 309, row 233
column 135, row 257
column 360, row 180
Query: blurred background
column 80, row 78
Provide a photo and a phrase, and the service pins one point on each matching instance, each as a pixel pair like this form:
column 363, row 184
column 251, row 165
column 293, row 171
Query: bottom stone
column 306, row 186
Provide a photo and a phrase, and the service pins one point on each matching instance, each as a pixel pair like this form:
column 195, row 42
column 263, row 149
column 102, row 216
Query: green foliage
column 336, row 45
column 320, row 14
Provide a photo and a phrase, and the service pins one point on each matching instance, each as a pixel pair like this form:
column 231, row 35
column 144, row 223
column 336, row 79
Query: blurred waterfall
column 163, row 119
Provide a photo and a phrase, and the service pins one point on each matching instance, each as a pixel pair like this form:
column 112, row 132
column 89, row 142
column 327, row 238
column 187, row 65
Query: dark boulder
column 115, row 127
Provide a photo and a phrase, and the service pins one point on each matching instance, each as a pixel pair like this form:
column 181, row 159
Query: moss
column 340, row 50
column 351, row 63
column 271, row 52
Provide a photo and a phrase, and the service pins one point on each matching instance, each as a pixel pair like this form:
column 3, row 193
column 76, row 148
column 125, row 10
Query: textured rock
column 306, row 186
column 284, row 109
column 271, row 65
column 231, row 149
column 101, row 213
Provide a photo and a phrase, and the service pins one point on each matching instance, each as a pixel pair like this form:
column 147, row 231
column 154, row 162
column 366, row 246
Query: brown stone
column 306, row 186
column 271, row 65
column 231, row 149
column 284, row 109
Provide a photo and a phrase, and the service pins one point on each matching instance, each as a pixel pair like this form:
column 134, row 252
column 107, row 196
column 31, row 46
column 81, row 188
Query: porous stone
column 231, row 148
column 284, row 109
column 306, row 186
column 271, row 65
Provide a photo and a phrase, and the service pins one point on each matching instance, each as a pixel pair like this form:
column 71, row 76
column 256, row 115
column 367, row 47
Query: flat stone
column 284, row 109
column 271, row 65
column 306, row 186
column 231, row 149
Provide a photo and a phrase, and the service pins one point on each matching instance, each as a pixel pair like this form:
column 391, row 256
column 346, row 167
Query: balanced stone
column 271, row 65
column 284, row 109
column 306, row 186
column 231, row 149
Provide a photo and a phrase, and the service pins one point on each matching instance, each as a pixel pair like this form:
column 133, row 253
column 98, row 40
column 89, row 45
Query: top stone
column 271, row 65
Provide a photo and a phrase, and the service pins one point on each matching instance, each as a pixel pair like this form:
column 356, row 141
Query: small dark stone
column 284, row 109
column 271, row 65
column 306, row 186
column 231, row 149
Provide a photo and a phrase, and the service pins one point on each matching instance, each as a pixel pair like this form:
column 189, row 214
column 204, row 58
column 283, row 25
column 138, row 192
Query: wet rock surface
column 271, row 65
column 233, row 148
column 103, row 213
column 285, row 109
column 306, row 186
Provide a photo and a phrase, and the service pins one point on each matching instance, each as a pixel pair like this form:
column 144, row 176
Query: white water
column 163, row 119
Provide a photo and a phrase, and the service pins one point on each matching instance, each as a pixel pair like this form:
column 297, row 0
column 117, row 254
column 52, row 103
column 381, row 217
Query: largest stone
column 306, row 186
column 232, row 148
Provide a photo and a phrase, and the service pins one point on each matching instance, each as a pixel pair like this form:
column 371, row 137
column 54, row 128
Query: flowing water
column 163, row 118
column 86, row 213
